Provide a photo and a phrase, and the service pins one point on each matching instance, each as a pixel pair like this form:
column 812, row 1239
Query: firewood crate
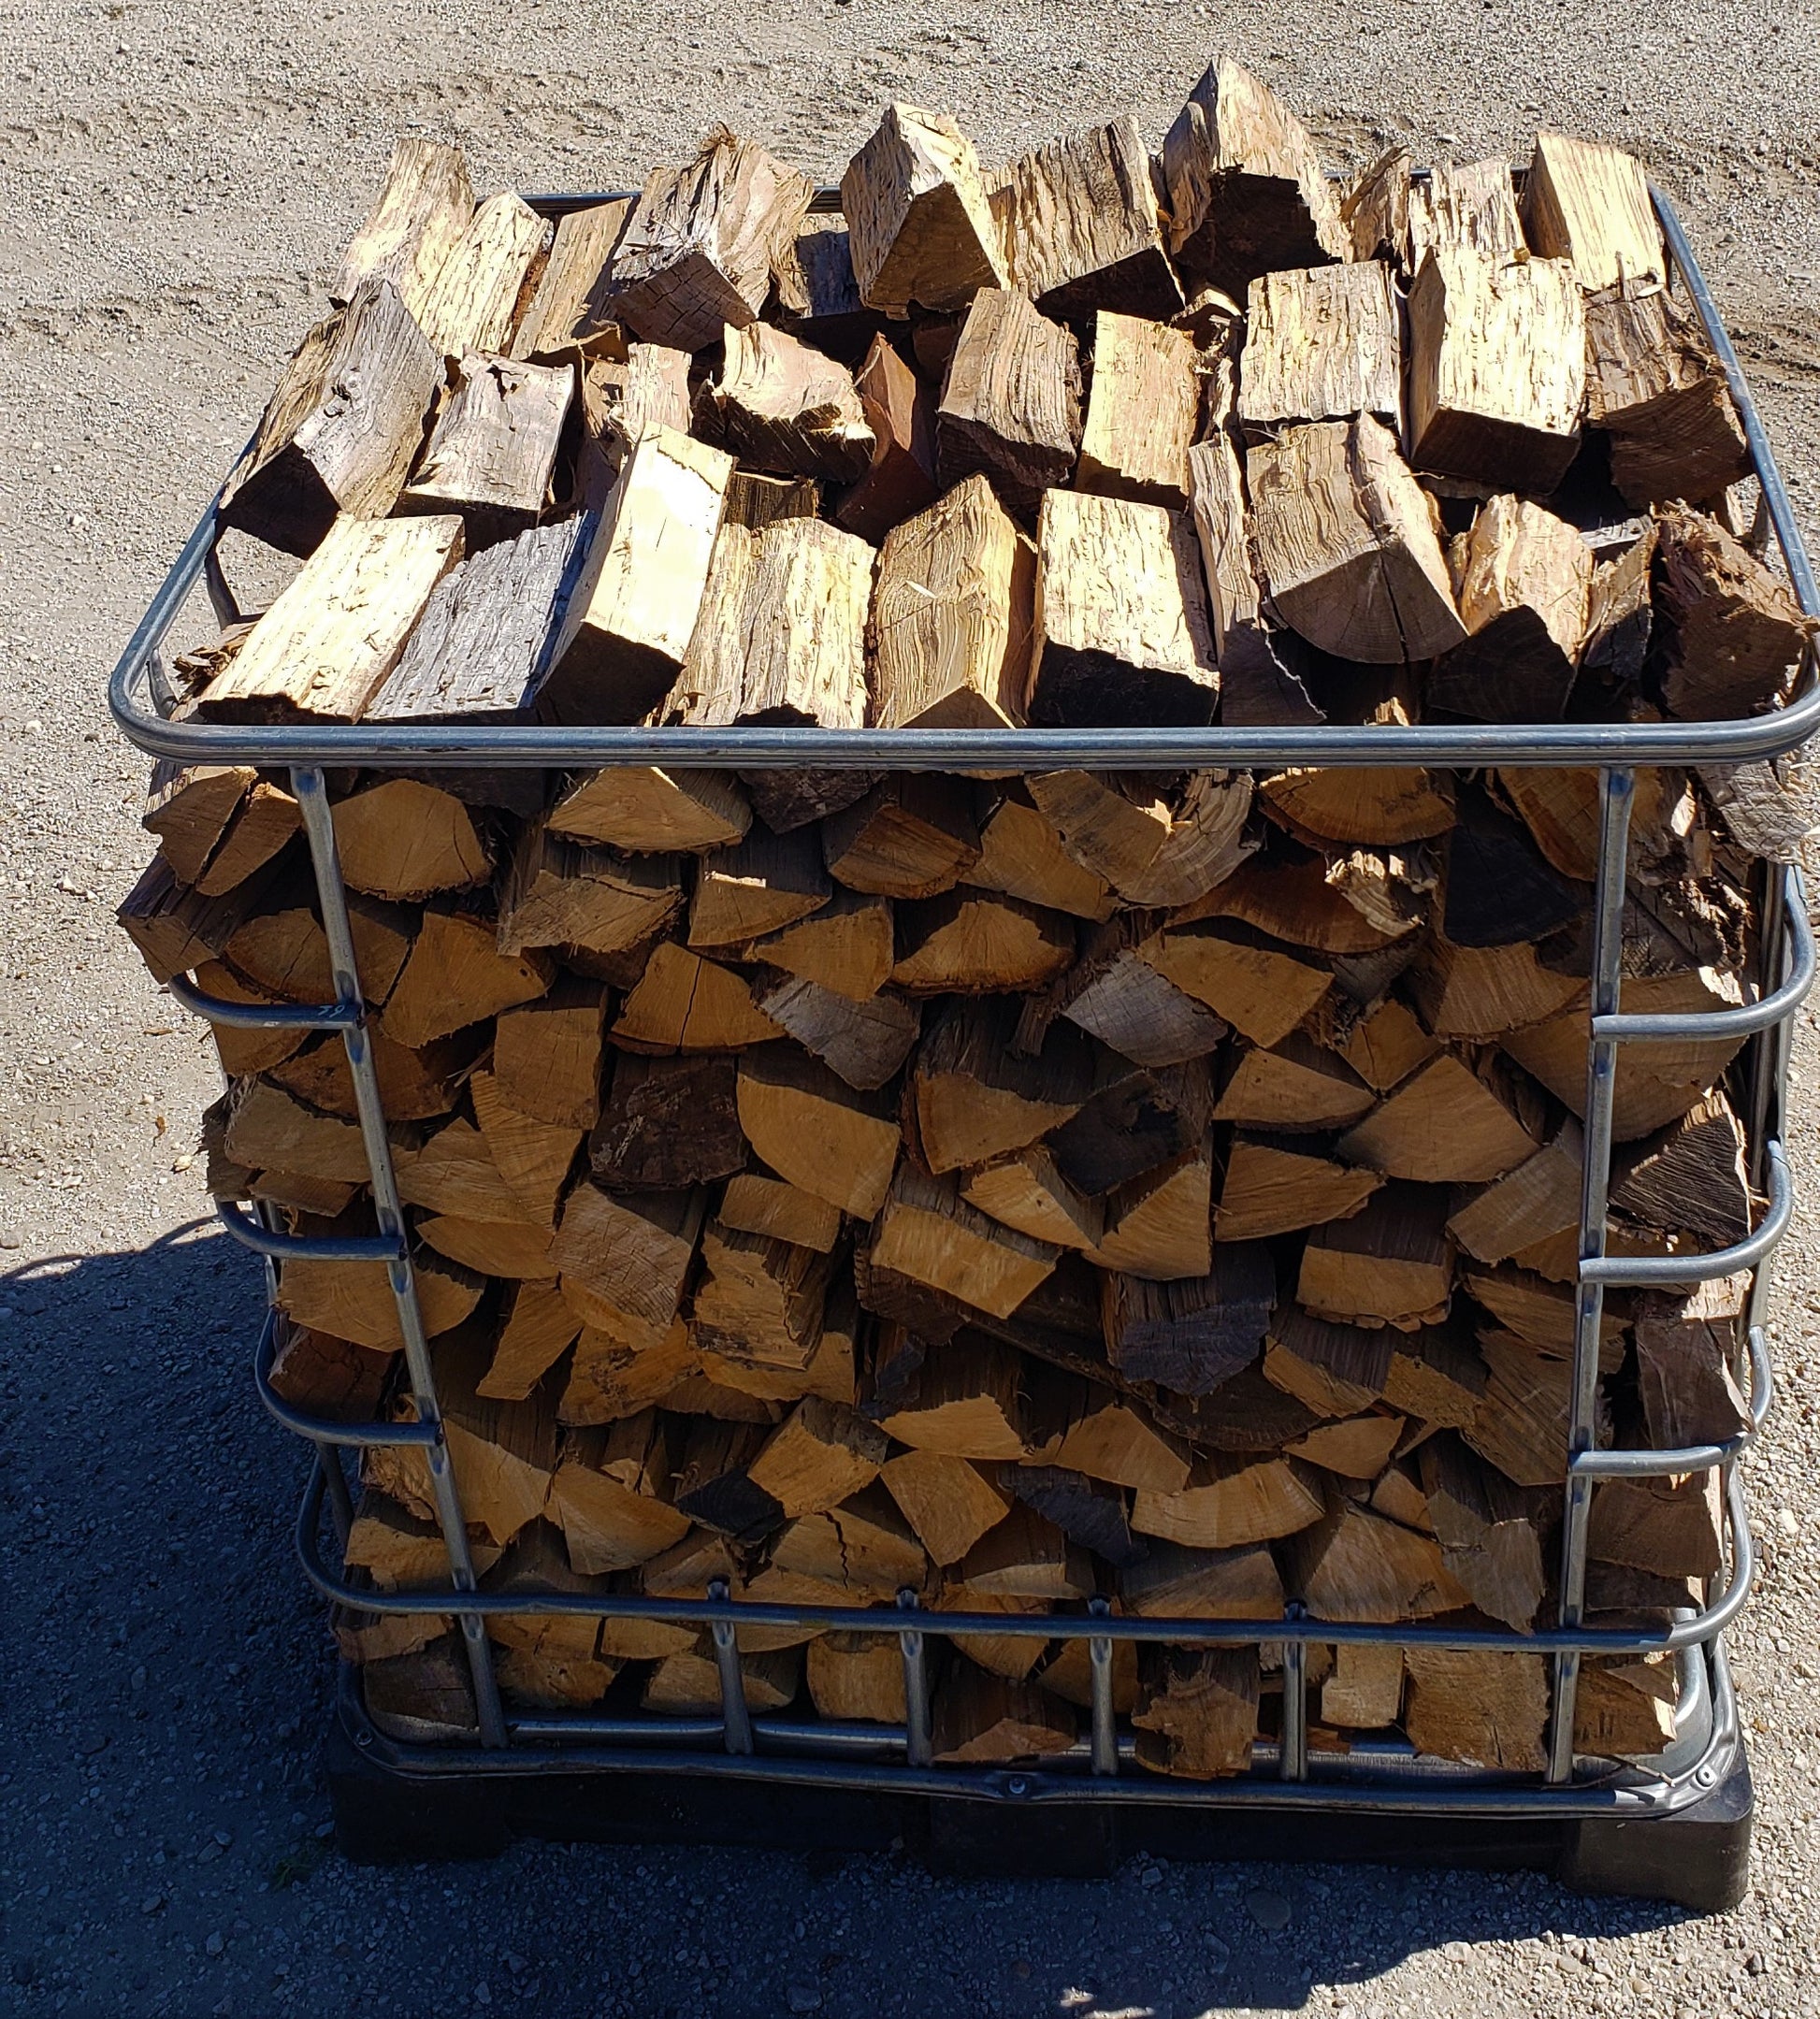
column 732, row 1753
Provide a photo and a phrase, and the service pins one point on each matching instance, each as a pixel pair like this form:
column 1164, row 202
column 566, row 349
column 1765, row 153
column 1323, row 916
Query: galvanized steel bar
column 918, row 1740
column 735, row 1715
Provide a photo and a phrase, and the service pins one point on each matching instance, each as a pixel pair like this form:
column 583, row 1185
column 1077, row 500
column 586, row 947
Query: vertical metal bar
column 1106, row 1725
column 1616, row 791
column 735, row 1719
column 918, row 1741
column 313, row 801
column 1292, row 1756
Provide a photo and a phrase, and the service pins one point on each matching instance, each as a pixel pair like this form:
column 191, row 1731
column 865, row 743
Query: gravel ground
column 177, row 181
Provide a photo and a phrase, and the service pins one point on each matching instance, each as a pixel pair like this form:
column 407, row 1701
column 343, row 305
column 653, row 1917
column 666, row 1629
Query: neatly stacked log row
column 1162, row 1187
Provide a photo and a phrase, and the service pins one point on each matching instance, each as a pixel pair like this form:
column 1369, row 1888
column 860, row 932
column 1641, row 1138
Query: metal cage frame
column 1379, row 1778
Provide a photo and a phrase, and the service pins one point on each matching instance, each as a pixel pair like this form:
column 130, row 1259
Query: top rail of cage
column 136, row 704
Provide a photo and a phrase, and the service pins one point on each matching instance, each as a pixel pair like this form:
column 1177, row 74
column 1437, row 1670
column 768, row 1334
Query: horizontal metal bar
column 886, row 1618
column 1749, row 1018
column 1662, row 1464
column 263, row 1016
column 326, row 1429
column 1669, row 1272
column 298, row 1247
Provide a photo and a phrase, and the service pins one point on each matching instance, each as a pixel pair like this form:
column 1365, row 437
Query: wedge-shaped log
column 952, row 612
column 488, row 279
column 1123, row 633
column 1323, row 345
column 539, row 1329
column 1159, row 1226
column 784, row 407
column 423, row 206
column 1347, row 541
column 928, row 1232
column 493, row 450
column 949, row 1502
column 1230, row 1503
column 1191, row 1336
column 967, row 1399
column 454, row 974
column 758, row 885
column 334, row 632
column 1693, row 1179
column 1197, row 1714
column 647, row 810
column 1446, row 1124
column 900, row 411
column 1261, row 989
column 632, row 1252
column 1272, row 1186
column 914, row 835
column 1392, row 1263
column 1670, row 1526
column 1247, row 194
column 1653, row 384
column 1589, row 204
column 1484, row 991
column 1114, row 994
column 1497, row 369
column 1686, row 1359
column 920, row 229
column 760, row 1299
column 1294, row 1086
column 1355, row 1565
column 970, row 943
column 342, row 430
column 1478, row 1706
column 1143, row 412
column 1023, row 1190
column 404, row 839
column 698, row 251
column 1490, row 1538
column 1365, row 1690
column 610, row 1494
column 1335, row 1370
column 816, row 1132
column 975, row 1097
column 569, row 312
column 682, row 1003
column 1732, row 633
column 1135, row 1122
column 558, row 893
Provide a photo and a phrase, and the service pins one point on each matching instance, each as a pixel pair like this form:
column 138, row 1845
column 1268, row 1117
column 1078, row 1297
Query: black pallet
column 1698, row 1857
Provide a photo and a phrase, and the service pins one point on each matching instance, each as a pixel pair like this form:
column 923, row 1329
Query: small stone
column 215, row 1943
column 151, row 1903
column 224, row 1838
column 1786, row 1525
column 1447, row 140
column 805, row 1998
column 1268, row 1910
column 482, row 1993
column 1151, row 1876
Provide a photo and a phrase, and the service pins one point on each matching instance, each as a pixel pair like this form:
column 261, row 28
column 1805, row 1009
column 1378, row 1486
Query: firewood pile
column 1016, row 1189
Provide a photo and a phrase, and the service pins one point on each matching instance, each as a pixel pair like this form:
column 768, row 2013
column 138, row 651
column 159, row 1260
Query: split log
column 403, row 839
column 340, row 432
column 285, row 952
column 667, row 1122
column 454, row 974
column 1123, row 633
column 401, row 1551
column 423, row 206
column 949, row 1502
column 816, row 1132
column 532, row 1157
column 539, row 1329
column 1357, row 1448
column 1273, row 1186
column 1387, row 1046
column 821, row 1455
column 682, row 1003
column 1377, row 806
column 1114, row 994
column 1489, row 1537
column 971, row 943
column 784, row 407
column 1260, row 988
column 1484, row 1708
column 1538, row 1198
column 1522, row 583
column 1025, row 1556
column 1654, row 385
column 1087, row 1511
column 1174, row 1582
column 920, row 229
column 1521, row 1421
column 1323, row 345
column 488, row 279
column 1144, row 412
column 760, row 1299
column 981, row 1717
column 326, row 1376
column 1484, row 991
column 1111, row 1437
column 977, row 1098
column 1392, row 1263
column 698, row 251
column 1138, row 1120
column 333, row 633
column 633, row 608
column 1348, row 546
column 756, row 885
column 966, row 1401
column 950, row 624
column 900, row 411
column 1436, row 1377
column 818, row 294
column 1011, row 401
column 1694, row 1179
column 1687, row 1347
column 1497, row 369
column 1365, row 1689
column 857, row 1554
column 1198, row 1714
column 647, row 811
column 568, row 314
column 269, row 1129
column 912, row 836
column 353, row 1300
column 1113, row 824
column 857, row 1676
column 631, row 1252
column 1310, row 901
column 190, row 808
column 1067, row 1670
column 483, row 646
column 1247, row 193
column 847, row 946
column 1082, row 228
column 547, row 1055
column 865, row 1043
column 1022, row 855
column 1446, row 1124
column 622, row 401
column 1353, row 1565
column 1231, row 1502
column 688, row 1686
column 928, row 1232
column 1024, row 1190
column 175, row 929
column 756, row 1203
column 1335, row 1370
column 1499, row 890
column 1732, row 634
column 1294, row 1087
column 610, row 1494
column 1159, row 1226
column 1671, row 1526
column 1589, row 204
column 1192, row 1335
column 558, row 893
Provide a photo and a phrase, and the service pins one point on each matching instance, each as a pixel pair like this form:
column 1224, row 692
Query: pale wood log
column 632, row 1252
column 1198, row 1714
column 760, row 1299
column 1733, row 634
column 1144, row 412
column 568, row 314
column 353, row 1300
column 1694, row 1179
column 1335, row 1370
column 609, row 1493
column 1435, row 1376
column 1470, row 205
column 1114, row 994
column 1357, row 1448
column 1175, row 1583
column 400, row 1550
column 340, row 432
column 1348, row 544
column 539, row 1329
column 454, row 1173
column 646, row 810
column 847, row 946
column 816, row 1132
column 1193, row 1336
column 971, row 942
column 982, row 1717
column 285, row 952
column 1247, row 193
column 1294, row 1086
column 455, row 975
column 1377, row 806
column 1626, row 1709
column 784, row 406
column 1082, row 228
column 242, row 1051
column 1323, row 345
column 404, row 839
column 1655, row 386
column 1392, row 1263
column 1589, row 204
column 1159, row 1226
column 634, row 607
column 914, row 835
column 1447, row 1124
column 756, row 1203
column 1489, row 1534
column 1375, row 211
column 1480, row 1707
column 699, row 253
column 547, row 1055
column 493, row 449
column 1387, row 1046
column 682, row 1002
column 1520, row 1422
column 975, row 1097
column 1671, row 1526
column 335, row 630
column 268, row 1129
column 483, row 643
column 1272, row 1187
column 1011, row 401
column 667, row 1122
column 865, row 1043
column 899, row 481
column 760, row 884
column 1231, row 1502
column 928, row 1232
column 857, row 1676
column 1497, row 368
column 688, row 1686
column 819, row 1456
column 1111, row 1437
column 1479, row 992
column 1121, row 628
column 425, row 205
column 558, row 893
column 920, row 229
column 1538, row 1198
column 1365, row 1689
column 1260, row 988
column 189, row 807
column 803, row 627
column 1023, row 1190
column 951, row 614
column 948, row 1502
column 967, row 1401
column 1353, row 1565
column 264, row 822
column 488, row 280
column 175, row 928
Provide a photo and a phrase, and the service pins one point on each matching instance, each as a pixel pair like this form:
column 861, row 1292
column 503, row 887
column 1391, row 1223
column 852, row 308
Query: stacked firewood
column 1012, row 1190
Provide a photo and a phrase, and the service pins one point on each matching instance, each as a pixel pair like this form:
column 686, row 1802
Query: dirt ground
column 177, row 181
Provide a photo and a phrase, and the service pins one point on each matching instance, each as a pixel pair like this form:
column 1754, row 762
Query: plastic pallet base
column 1697, row 1858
